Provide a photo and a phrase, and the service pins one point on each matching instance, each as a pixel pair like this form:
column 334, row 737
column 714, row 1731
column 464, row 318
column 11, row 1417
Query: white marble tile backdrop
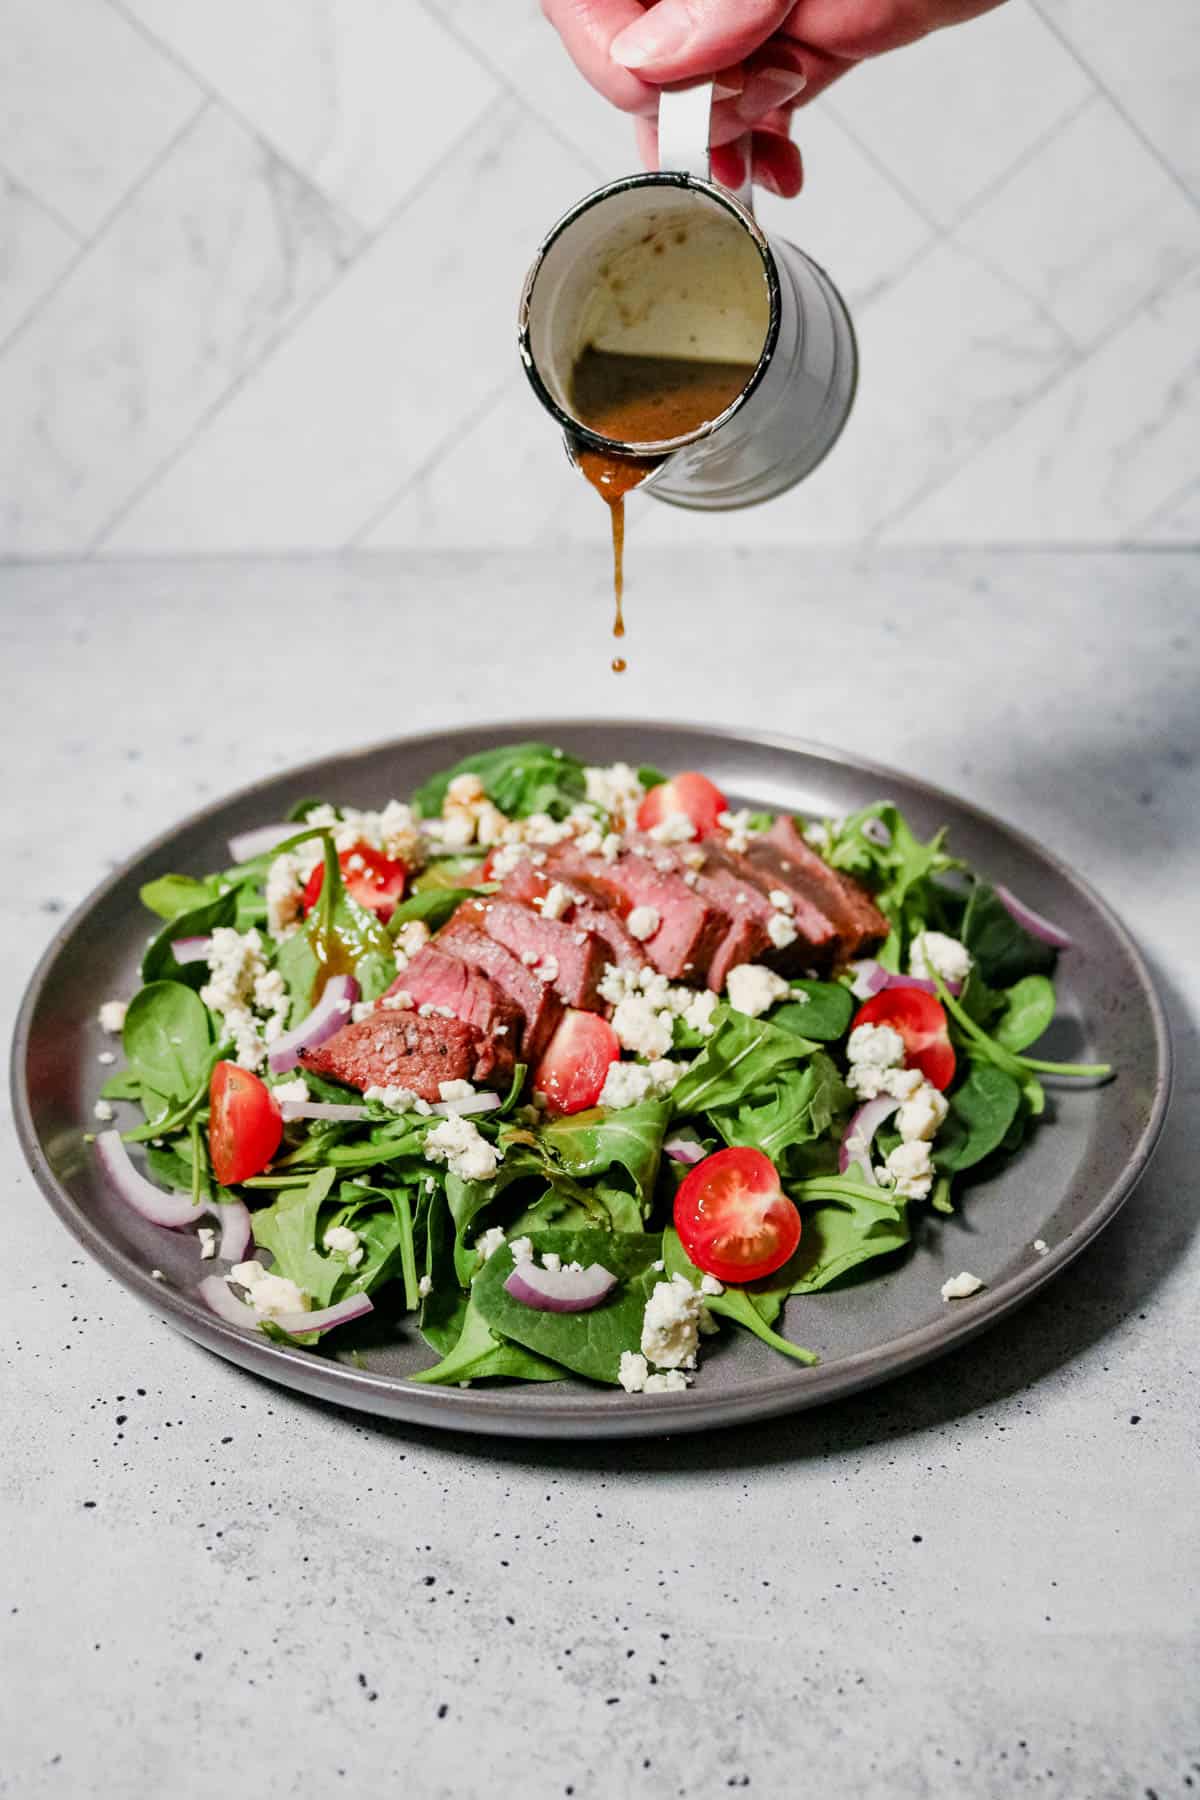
column 259, row 262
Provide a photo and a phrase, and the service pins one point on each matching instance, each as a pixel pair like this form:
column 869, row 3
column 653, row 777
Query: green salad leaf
column 337, row 931
column 480, row 1354
column 982, row 1108
column 159, row 964
column 845, row 1224
column 750, row 1307
column 518, row 778
column 899, row 872
column 762, row 1087
column 171, row 896
column 588, row 1343
column 1003, row 950
column 1027, row 1011
column 821, row 1010
column 432, row 905
column 167, row 1043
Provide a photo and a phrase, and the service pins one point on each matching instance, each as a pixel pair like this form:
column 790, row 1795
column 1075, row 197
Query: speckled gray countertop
column 980, row 1581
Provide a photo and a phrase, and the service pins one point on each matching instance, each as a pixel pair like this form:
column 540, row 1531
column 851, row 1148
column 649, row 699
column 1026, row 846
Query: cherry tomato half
column 689, row 793
column 572, row 1072
column 734, row 1219
column 244, row 1126
column 373, row 880
column 920, row 1020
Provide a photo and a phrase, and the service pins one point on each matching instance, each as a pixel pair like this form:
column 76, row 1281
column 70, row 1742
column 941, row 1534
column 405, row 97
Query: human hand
column 764, row 57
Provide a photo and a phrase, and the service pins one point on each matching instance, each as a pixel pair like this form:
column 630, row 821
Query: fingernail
column 662, row 32
column 768, row 88
column 768, row 179
column 726, row 87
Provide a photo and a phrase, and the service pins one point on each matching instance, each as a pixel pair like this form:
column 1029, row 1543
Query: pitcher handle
column 683, row 124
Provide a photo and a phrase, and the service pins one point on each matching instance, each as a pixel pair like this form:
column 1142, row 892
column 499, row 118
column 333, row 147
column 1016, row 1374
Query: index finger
column 587, row 29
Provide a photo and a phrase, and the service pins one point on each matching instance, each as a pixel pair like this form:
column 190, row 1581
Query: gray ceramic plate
column 1063, row 1188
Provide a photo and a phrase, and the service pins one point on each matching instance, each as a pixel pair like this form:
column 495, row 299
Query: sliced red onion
column 174, row 1210
column 470, row 1103
column 320, row 1109
column 560, row 1290
column 331, row 1012
column 871, row 977
column 860, row 1135
column 684, row 1150
column 876, row 832
column 154, row 1203
column 191, row 949
column 249, row 844
column 220, row 1298
column 1033, row 922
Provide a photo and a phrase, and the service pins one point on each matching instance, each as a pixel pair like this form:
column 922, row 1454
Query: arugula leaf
column 518, row 778
column 1028, row 1011
column 899, row 872
column 1003, row 950
column 434, row 905
column 589, row 1343
column 744, row 1306
column 173, row 895
column 982, row 1109
column 159, row 964
column 595, row 1143
column 289, row 1230
column 845, row 1224
column 479, row 1354
column 741, row 1055
column 650, row 777
column 167, row 1042
column 763, row 1087
column 824, row 1016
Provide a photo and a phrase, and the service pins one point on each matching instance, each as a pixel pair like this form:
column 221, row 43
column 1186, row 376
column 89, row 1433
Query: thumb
column 680, row 40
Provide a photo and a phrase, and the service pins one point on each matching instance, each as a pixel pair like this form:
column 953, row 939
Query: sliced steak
column 573, row 959
column 434, row 979
column 745, row 905
column 538, row 1005
column 689, row 929
column 786, row 860
column 816, row 940
column 406, row 1050
column 590, row 910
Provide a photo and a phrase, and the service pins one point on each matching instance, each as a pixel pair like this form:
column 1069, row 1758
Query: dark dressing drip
column 640, row 400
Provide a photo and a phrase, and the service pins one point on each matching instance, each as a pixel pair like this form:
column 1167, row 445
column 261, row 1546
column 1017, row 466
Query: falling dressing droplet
column 618, row 665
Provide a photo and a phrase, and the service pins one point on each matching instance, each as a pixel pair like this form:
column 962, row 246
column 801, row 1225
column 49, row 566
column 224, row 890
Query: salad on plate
column 569, row 1068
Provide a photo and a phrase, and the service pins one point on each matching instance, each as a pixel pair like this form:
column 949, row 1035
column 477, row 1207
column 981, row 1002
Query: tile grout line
column 1176, row 279
column 163, row 468
column 35, row 199
column 1103, row 87
column 458, row 435
column 1164, row 507
column 88, row 244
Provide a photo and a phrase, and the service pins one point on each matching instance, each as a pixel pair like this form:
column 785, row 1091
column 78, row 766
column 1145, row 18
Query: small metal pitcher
column 757, row 300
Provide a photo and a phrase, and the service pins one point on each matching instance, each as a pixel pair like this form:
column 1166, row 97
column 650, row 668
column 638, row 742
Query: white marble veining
column 1148, row 58
column 34, row 250
column 226, row 244
column 85, row 105
column 972, row 1582
column 1092, row 457
column 953, row 113
column 995, row 202
column 365, row 97
column 1176, row 522
column 376, row 379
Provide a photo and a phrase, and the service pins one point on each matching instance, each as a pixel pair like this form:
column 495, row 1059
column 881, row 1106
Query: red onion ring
column 1034, row 923
column 249, row 844
column 172, row 1210
column 859, row 1136
column 872, row 978
column 327, row 1017
column 320, row 1109
column 191, row 949
column 560, row 1290
column 470, row 1103
column 220, row 1298
column 876, row 832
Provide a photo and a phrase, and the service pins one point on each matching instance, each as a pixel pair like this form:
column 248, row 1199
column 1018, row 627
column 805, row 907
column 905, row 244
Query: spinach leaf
column 589, row 1343
column 518, row 778
column 845, row 1224
column 1003, row 950
column 650, row 777
column 824, row 1015
column 596, row 1143
column 124, row 1085
column 434, row 905
column 744, row 1306
column 173, row 895
column 479, row 1353
column 1028, row 1012
column 981, row 1110
column 382, row 1218
column 166, row 1041
column 159, row 964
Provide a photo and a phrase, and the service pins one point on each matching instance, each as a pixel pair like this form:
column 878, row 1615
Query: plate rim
column 498, row 1412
